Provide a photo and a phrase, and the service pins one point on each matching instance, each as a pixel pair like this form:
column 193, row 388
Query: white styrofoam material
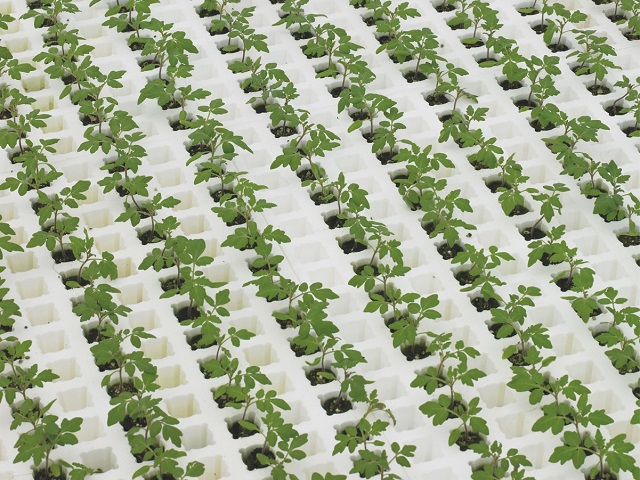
column 314, row 253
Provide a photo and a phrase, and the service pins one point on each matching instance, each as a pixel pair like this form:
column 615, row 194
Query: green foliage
column 481, row 268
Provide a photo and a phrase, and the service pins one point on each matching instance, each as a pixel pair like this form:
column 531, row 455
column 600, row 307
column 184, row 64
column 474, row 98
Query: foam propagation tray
column 314, row 253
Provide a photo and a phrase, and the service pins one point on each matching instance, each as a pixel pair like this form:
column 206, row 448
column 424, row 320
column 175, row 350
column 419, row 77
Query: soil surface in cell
column 465, row 278
column 333, row 406
column 415, row 352
column 629, row 131
column 251, row 460
column 63, row 256
column 186, row 313
column 564, row 284
column 116, row 389
column 507, row 85
column 537, row 126
column 482, row 304
column 238, row 431
column 629, row 240
column 301, row 351
column 335, row 222
column 283, row 131
column 448, row 252
column 437, row 99
column 315, row 377
column 335, row 92
column 494, row 328
column 386, row 157
column 196, row 342
column 614, row 110
column 465, row 441
column 43, row 474
column 531, row 233
column 149, row 236
column 445, row 7
column 414, row 76
column 351, row 246
column 320, row 198
column 599, row 89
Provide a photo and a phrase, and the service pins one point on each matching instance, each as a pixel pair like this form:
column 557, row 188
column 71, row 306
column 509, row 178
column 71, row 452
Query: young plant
column 593, row 59
column 405, row 330
column 499, row 465
column 557, row 25
column 98, row 305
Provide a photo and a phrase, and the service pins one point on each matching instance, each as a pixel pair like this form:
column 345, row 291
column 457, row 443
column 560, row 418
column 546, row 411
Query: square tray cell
column 103, row 459
column 195, row 437
column 22, row 262
column 74, row 399
column 157, row 348
column 53, row 341
column 66, row 369
column 32, row 288
column 42, row 314
column 183, row 406
column 171, row 377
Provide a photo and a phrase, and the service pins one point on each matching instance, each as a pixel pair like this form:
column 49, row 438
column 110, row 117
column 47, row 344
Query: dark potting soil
column 320, row 198
column 395, row 59
column 457, row 26
column 63, row 256
column 312, row 55
column 217, row 194
column 436, row 99
column 115, row 389
column 352, row 246
column 144, row 63
column 473, row 43
column 397, row 179
column 251, row 460
column 128, row 423
column 518, row 210
column 68, row 279
column 89, row 120
column 494, row 328
column 616, row 18
column 525, row 12
column 205, row 12
column 93, row 335
column 111, row 365
column 445, row 7
column 599, row 89
column 631, row 36
column 414, row 76
column 496, row 184
column 636, row 392
column 531, row 233
column 630, row 130
column 306, row 175
column 254, row 269
column 368, row 136
column 149, row 236
column 465, row 441
column 518, row 360
column 465, row 278
column 359, row 115
column 386, row 157
column 171, row 284
column 198, row 148
column 507, row 85
column 238, row 431
column 15, row 157
column 283, row 131
column 335, row 222
column 335, row 92
column 537, row 126
column 359, row 4
column 546, row 260
column 186, row 313
column 302, row 35
column 43, row 474
column 315, row 378
column 177, row 125
column 301, row 351
column 239, row 220
column 218, row 31
column 482, row 304
column 525, row 104
column 614, row 110
column 369, row 21
column 558, row 47
column 360, row 268
column 539, row 29
column 629, row 240
column 415, row 352
column 447, row 252
column 489, row 60
column 196, row 342
column 171, row 105
column 5, row 114
column 222, row 400
column 136, row 45
column 564, row 284
column 334, row 407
